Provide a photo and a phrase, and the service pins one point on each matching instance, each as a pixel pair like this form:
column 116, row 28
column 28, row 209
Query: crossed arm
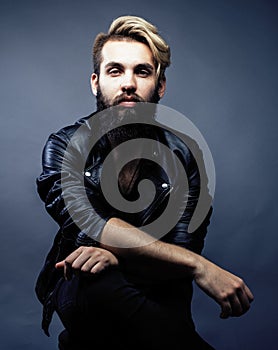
column 164, row 261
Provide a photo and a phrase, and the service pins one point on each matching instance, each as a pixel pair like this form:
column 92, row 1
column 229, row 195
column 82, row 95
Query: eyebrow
column 119, row 65
column 113, row 64
column 146, row 66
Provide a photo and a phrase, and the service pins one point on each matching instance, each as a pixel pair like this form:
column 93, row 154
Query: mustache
column 127, row 97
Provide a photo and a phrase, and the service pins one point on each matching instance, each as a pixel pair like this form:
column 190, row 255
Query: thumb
column 60, row 264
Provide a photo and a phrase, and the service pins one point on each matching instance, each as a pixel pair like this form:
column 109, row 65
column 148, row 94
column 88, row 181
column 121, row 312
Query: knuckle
column 97, row 253
column 224, row 296
column 238, row 285
column 90, row 249
column 80, row 249
column 103, row 260
column 231, row 293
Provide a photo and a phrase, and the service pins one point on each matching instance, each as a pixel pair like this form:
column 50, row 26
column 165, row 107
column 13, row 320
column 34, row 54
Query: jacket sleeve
column 198, row 209
column 68, row 198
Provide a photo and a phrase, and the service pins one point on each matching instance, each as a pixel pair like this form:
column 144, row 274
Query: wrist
column 198, row 266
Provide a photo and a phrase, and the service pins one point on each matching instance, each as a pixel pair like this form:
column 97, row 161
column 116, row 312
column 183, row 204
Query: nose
column 128, row 84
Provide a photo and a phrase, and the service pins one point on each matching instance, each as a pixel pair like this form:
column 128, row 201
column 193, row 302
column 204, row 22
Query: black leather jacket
column 82, row 169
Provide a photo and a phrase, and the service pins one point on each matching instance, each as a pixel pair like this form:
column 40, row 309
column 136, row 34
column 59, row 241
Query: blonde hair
column 138, row 29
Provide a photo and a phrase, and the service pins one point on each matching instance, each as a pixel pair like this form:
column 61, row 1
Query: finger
column 236, row 306
column 75, row 254
column 60, row 264
column 89, row 264
column 244, row 300
column 98, row 267
column 225, row 310
column 95, row 259
column 79, row 262
column 249, row 294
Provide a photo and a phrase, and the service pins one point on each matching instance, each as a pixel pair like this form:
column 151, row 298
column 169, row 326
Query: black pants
column 107, row 311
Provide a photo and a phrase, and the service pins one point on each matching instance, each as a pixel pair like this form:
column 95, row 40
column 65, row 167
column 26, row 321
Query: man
column 112, row 282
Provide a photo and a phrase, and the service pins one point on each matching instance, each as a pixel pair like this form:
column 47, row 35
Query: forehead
column 126, row 53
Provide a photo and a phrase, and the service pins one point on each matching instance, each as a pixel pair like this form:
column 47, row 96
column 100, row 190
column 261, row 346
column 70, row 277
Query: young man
column 111, row 282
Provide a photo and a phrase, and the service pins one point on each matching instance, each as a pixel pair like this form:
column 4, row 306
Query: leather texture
column 80, row 166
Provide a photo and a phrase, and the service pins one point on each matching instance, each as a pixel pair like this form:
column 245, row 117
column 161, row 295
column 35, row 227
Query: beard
column 104, row 103
column 131, row 116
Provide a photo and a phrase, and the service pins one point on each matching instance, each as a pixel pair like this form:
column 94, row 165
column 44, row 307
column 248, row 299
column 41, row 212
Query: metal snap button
column 155, row 153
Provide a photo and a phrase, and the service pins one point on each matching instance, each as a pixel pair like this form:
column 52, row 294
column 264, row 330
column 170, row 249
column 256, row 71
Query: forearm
column 151, row 257
column 171, row 261
column 166, row 261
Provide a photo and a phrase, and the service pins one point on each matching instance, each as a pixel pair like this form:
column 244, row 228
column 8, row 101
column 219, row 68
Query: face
column 127, row 75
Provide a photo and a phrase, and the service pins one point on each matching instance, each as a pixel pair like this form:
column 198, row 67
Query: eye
column 114, row 72
column 143, row 73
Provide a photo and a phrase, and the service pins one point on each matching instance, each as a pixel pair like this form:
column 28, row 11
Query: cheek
column 107, row 89
column 147, row 89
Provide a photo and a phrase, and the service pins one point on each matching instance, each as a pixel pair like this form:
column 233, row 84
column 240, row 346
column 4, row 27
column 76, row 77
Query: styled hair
column 129, row 28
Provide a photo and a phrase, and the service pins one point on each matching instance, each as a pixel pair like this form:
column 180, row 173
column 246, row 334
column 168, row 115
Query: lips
column 128, row 101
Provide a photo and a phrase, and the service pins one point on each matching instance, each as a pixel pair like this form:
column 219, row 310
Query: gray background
column 223, row 77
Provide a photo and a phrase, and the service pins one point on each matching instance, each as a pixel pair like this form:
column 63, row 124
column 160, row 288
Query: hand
column 226, row 289
column 87, row 259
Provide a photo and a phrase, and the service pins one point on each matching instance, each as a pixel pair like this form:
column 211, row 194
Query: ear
column 94, row 83
column 162, row 87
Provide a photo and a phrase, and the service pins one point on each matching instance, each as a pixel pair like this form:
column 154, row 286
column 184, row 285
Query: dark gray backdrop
column 223, row 77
